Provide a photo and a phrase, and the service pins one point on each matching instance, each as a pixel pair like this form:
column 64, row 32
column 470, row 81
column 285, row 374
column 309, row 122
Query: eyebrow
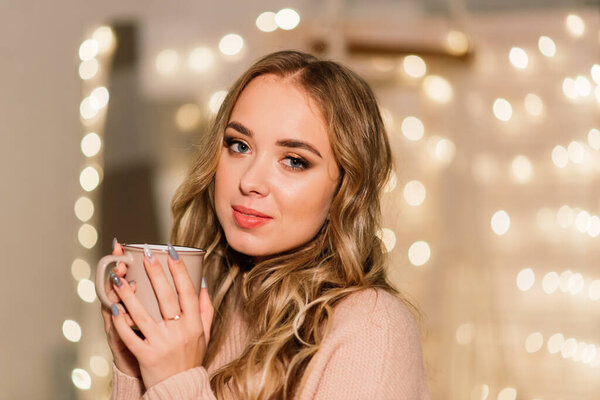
column 292, row 143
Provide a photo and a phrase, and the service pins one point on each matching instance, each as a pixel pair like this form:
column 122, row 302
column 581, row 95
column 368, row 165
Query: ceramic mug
column 133, row 257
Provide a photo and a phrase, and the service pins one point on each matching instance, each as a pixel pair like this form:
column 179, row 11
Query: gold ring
column 175, row 318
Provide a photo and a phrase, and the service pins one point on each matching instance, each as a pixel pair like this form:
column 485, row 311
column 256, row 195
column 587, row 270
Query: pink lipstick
column 249, row 218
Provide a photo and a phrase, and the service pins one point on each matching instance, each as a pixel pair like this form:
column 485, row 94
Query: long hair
column 289, row 298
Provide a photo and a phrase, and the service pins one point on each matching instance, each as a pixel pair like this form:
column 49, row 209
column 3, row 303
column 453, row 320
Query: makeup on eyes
column 304, row 164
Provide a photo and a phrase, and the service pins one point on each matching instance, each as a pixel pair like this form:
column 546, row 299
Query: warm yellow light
column 71, row 330
column 414, row 66
column 81, row 379
column 88, row 69
column 534, row 342
column 593, row 138
column 500, row 222
column 87, row 109
column 88, row 49
column 525, row 279
column 412, row 128
column 84, row 208
column 594, row 226
column 388, row 237
column 589, row 353
column 437, row 89
column 594, row 290
column 457, row 43
column 576, row 152
column 414, row 193
column 105, row 38
column 465, row 333
column 167, row 62
column 518, row 58
column 87, row 235
column 231, row 44
column 565, row 216
column 502, row 109
column 215, row 101
column 86, row 290
column 569, row 88
column 555, row 343
column 80, row 269
column 569, row 348
column 266, row 22
column 287, row 19
column 521, row 169
column 480, row 392
column 419, row 253
column 597, row 93
column 508, row 393
column 99, row 366
column 576, row 284
column 188, row 117
column 441, row 149
column 582, row 221
column 89, row 178
column 595, row 73
column 391, row 183
column 550, row 282
column 575, row 25
column 583, row 86
column 201, row 59
column 547, row 46
column 534, row 105
column 560, row 156
column 563, row 280
column 91, row 144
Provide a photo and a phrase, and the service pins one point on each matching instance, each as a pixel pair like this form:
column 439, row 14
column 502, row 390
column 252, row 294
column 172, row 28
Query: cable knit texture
column 372, row 351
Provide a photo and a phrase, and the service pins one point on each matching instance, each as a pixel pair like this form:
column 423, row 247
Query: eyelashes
column 236, row 146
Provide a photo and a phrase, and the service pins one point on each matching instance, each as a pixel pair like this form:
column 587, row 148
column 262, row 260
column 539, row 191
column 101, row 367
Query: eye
column 236, row 146
column 296, row 163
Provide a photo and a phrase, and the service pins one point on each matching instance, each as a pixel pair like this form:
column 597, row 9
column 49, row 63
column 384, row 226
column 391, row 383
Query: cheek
column 307, row 203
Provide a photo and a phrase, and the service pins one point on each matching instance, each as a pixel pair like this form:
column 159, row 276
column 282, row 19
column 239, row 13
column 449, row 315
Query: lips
column 249, row 218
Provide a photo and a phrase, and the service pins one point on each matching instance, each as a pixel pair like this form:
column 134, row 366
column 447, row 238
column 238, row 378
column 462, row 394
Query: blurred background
column 491, row 219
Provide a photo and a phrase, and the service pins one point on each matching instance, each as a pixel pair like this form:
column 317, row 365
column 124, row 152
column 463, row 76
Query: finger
column 207, row 312
column 107, row 317
column 128, row 336
column 112, row 295
column 120, row 269
column 183, row 283
column 166, row 296
column 136, row 309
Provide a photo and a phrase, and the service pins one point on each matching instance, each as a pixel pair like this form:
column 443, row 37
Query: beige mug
column 133, row 257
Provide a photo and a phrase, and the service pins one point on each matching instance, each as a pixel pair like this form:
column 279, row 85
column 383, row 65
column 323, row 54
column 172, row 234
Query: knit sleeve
column 126, row 387
column 192, row 384
column 372, row 350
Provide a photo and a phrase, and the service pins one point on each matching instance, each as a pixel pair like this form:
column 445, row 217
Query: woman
column 284, row 196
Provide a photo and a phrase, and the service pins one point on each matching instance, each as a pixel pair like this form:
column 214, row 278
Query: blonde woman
column 284, row 196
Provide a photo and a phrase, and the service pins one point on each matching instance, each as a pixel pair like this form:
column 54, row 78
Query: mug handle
column 101, row 274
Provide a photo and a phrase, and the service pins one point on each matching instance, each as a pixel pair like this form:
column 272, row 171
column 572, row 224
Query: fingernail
column 148, row 253
column 204, row 285
column 114, row 242
column 131, row 282
column 115, row 279
column 114, row 309
column 173, row 253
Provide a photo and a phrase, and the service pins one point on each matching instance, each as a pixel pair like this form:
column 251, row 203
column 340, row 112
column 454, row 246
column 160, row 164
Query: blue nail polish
column 115, row 279
column 131, row 282
column 148, row 253
column 114, row 242
column 114, row 309
column 173, row 253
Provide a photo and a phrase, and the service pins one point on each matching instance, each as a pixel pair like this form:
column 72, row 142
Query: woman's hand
column 123, row 358
column 177, row 343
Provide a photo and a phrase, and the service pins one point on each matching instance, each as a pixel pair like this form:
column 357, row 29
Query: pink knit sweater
column 372, row 351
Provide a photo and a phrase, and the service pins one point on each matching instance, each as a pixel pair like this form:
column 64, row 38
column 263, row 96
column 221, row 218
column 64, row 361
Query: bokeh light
column 201, row 59
column 547, row 46
column 560, row 156
column 86, row 290
column 388, row 237
column 500, row 222
column 231, row 44
column 414, row 66
column 81, row 379
column 88, row 49
column 437, row 88
column 414, row 193
column 457, row 43
column 534, row 105
column 412, row 128
column 502, row 109
column 167, row 62
column 550, row 282
column 91, row 144
column 266, row 21
column 525, row 279
column 89, row 178
column 88, row 69
column 80, row 269
column 593, row 138
column 508, row 393
column 522, row 169
column 575, row 25
column 71, row 330
column 287, row 19
column 534, row 342
column 518, row 58
column 419, row 253
column 84, row 209
column 99, row 366
column 87, row 236
column 215, row 101
column 188, row 116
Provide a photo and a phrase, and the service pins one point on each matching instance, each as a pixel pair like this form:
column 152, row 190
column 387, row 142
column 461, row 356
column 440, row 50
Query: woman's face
column 277, row 174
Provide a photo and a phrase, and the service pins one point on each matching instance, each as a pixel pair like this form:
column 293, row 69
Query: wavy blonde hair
column 290, row 297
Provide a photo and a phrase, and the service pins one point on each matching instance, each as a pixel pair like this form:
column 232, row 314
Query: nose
column 255, row 181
